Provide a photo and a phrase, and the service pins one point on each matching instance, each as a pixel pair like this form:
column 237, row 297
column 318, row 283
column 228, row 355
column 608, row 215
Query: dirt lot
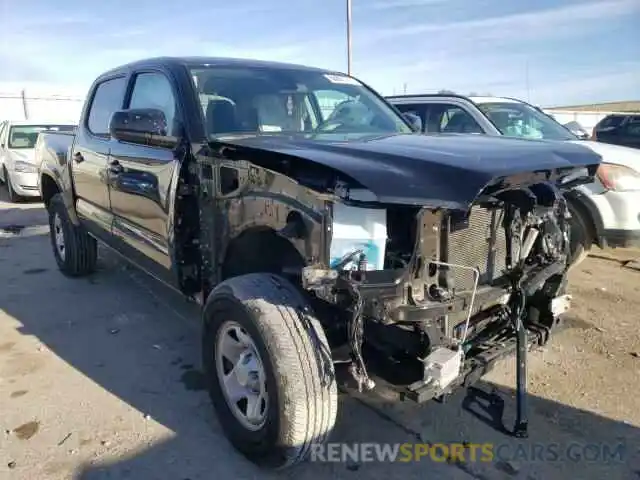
column 99, row 380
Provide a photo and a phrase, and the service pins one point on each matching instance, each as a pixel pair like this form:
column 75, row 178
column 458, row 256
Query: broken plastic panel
column 356, row 228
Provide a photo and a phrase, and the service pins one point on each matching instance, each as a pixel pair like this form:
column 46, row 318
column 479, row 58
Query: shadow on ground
column 14, row 217
column 140, row 342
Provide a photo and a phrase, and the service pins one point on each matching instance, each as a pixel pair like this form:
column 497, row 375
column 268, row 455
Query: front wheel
column 75, row 251
column 13, row 196
column 269, row 369
column 582, row 237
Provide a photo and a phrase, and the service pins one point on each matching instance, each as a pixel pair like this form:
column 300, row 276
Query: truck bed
column 53, row 147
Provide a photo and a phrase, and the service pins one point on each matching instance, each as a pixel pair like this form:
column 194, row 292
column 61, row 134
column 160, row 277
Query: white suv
column 606, row 212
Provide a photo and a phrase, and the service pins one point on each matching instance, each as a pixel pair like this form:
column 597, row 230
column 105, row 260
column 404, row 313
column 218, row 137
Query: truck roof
column 218, row 61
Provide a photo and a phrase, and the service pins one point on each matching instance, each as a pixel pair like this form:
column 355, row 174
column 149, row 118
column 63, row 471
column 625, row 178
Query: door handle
column 115, row 167
column 78, row 157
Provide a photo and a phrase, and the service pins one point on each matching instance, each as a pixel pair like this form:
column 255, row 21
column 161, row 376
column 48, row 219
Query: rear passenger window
column 106, row 100
column 153, row 90
column 414, row 108
column 633, row 126
column 458, row 120
column 610, row 121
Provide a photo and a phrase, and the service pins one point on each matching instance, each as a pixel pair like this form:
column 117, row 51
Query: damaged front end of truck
column 477, row 285
column 452, row 282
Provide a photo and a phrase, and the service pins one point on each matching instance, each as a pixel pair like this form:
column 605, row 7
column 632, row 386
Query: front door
column 143, row 180
column 90, row 155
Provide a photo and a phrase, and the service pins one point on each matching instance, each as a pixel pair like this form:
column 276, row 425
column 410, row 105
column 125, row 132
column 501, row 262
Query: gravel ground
column 99, row 380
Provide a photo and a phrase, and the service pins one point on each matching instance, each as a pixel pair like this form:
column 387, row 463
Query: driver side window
column 153, row 90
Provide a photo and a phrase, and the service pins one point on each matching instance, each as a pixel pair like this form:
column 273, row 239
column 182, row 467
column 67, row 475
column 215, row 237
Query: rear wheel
column 582, row 236
column 75, row 251
column 269, row 369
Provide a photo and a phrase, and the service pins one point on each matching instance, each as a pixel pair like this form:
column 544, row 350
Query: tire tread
column 81, row 249
column 310, row 389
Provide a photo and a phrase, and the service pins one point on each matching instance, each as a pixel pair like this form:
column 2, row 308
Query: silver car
column 18, row 170
column 606, row 212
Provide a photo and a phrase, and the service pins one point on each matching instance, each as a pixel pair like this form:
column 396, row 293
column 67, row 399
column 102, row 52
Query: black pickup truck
column 317, row 230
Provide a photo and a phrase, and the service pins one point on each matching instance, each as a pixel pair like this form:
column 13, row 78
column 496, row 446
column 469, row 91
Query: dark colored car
column 313, row 225
column 578, row 130
column 619, row 129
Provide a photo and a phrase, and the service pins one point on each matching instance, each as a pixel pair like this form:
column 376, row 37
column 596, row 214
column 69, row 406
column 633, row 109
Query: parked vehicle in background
column 619, row 129
column 577, row 129
column 300, row 210
column 605, row 212
column 18, row 169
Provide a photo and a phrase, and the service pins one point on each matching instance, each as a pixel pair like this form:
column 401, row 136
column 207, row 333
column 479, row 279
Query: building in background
column 40, row 103
column 589, row 115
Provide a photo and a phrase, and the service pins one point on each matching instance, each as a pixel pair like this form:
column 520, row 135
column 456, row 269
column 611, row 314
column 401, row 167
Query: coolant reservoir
column 357, row 228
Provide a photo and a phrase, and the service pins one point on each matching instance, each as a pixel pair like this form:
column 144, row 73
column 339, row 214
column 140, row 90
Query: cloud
column 539, row 24
column 393, row 4
column 494, row 53
column 455, row 44
column 37, row 21
column 595, row 84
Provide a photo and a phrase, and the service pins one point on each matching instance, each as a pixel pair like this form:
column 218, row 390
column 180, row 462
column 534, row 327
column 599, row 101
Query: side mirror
column 414, row 120
column 143, row 126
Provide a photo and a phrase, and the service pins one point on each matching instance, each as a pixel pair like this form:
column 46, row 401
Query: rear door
column 90, row 153
column 142, row 179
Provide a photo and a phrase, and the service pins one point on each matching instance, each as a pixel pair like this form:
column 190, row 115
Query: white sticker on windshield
column 341, row 79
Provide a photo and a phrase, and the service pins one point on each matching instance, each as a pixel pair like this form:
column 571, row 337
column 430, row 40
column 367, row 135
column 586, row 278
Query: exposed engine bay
column 453, row 289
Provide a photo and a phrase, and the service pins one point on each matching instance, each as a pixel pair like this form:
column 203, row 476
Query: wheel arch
column 49, row 187
column 589, row 213
column 261, row 249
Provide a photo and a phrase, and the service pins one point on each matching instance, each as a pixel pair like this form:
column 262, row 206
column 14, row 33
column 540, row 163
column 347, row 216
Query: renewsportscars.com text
column 469, row 452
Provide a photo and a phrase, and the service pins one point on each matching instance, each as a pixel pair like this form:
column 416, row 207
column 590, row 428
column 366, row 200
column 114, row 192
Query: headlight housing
column 24, row 167
column 618, row 178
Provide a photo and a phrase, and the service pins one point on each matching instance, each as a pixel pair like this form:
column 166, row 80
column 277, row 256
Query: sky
column 550, row 52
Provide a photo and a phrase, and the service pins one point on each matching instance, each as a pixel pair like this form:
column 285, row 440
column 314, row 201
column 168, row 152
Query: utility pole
column 348, row 37
column 25, row 107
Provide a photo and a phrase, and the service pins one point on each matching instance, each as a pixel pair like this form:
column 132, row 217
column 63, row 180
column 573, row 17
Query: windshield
column 25, row 136
column 524, row 121
column 270, row 100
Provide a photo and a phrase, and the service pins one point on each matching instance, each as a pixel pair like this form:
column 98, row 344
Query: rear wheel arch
column 48, row 187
